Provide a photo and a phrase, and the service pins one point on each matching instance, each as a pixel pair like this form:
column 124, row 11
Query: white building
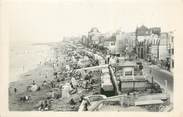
column 163, row 46
column 95, row 36
column 120, row 42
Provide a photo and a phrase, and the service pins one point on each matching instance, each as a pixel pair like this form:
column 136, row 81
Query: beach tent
column 34, row 88
column 67, row 67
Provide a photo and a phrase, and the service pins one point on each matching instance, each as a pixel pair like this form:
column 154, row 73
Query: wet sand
column 38, row 75
column 25, row 79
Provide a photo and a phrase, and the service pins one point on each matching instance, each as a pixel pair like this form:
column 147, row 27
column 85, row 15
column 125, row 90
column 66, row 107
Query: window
column 172, row 63
column 172, row 39
column 112, row 43
column 172, row 51
column 128, row 73
column 169, row 51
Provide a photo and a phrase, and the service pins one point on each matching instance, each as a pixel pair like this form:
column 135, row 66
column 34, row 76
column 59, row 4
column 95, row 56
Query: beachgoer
column 87, row 77
column 55, row 74
column 15, row 90
column 86, row 104
column 87, row 85
column 44, row 83
column 86, row 107
column 33, row 83
column 72, row 102
column 46, row 106
column 81, row 98
column 71, row 85
column 25, row 98
column 41, row 108
column 112, row 60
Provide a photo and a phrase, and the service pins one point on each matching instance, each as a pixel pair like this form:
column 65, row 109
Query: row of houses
column 96, row 38
column 147, row 43
column 117, row 43
column 154, row 45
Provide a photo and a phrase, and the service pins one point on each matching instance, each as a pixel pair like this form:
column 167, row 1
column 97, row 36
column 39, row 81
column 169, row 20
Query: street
column 160, row 76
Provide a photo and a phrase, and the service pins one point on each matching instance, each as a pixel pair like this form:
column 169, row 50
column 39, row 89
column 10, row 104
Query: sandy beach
column 58, row 82
column 26, row 57
column 42, row 72
column 46, row 72
column 34, row 59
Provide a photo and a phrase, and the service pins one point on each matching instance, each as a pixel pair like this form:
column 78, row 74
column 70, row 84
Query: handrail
column 108, row 99
column 114, row 81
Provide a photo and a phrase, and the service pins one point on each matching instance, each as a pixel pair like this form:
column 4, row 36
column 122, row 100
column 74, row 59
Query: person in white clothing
column 112, row 60
column 65, row 90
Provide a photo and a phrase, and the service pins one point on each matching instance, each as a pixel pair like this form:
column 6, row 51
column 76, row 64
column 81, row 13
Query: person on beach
column 72, row 102
column 52, row 84
column 86, row 104
column 44, row 83
column 41, row 108
column 33, row 82
column 46, row 106
column 15, row 90
column 33, row 87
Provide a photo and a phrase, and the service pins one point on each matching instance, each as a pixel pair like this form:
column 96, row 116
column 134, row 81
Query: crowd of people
column 69, row 75
column 68, row 78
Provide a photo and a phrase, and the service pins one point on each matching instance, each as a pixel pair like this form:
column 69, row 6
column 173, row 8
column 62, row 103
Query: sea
column 25, row 57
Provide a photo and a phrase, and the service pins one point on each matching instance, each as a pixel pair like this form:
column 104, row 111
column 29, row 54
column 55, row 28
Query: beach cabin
column 127, row 80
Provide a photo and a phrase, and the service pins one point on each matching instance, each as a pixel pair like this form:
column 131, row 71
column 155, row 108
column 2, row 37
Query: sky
column 51, row 20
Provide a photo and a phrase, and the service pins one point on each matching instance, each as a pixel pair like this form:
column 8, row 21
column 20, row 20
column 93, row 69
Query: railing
column 114, row 81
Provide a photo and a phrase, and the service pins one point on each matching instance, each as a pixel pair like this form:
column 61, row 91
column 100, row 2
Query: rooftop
column 127, row 64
